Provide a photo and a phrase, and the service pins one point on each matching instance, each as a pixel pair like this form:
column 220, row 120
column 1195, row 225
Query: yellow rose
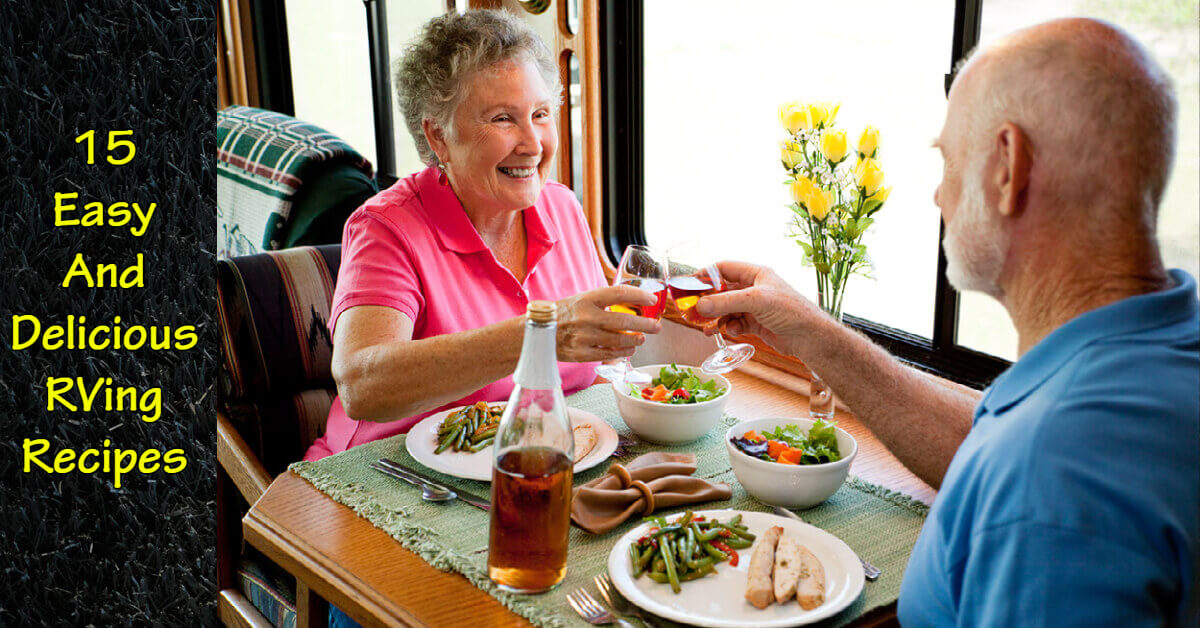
column 882, row 195
column 819, row 203
column 801, row 187
column 834, row 146
column 791, row 154
column 868, row 175
column 823, row 114
column 794, row 117
column 868, row 142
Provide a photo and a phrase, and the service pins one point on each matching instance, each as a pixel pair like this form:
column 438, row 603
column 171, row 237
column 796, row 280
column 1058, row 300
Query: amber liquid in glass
column 531, row 515
column 688, row 289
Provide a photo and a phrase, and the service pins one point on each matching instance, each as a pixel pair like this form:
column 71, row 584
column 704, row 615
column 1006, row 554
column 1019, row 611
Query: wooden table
column 341, row 558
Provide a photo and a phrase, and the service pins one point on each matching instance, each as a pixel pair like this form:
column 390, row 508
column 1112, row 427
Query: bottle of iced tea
column 531, row 472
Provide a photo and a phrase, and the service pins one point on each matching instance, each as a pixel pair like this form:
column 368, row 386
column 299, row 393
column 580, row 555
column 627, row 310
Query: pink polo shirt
column 413, row 248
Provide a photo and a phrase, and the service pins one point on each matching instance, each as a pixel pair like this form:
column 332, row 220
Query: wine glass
column 644, row 269
column 691, row 277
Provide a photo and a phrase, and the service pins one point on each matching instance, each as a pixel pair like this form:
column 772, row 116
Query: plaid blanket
column 263, row 159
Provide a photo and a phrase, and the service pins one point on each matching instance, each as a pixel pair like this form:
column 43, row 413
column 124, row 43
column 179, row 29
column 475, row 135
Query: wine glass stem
column 720, row 340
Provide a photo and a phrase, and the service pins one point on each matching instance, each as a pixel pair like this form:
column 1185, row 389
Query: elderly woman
column 438, row 269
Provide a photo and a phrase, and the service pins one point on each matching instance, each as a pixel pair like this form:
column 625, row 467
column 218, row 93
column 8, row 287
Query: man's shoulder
column 1154, row 372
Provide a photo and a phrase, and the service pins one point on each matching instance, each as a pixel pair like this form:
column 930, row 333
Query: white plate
column 422, row 441
column 718, row 600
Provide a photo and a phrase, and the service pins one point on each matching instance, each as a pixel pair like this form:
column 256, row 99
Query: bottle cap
column 541, row 311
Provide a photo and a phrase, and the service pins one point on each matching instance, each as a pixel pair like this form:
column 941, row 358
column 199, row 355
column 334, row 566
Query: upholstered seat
column 274, row 394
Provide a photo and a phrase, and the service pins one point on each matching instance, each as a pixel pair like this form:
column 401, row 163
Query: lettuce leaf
column 819, row 445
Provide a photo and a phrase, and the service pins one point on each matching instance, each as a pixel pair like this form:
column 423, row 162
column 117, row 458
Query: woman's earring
column 442, row 178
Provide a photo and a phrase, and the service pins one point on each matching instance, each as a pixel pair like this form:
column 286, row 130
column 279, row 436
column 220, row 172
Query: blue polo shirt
column 1075, row 498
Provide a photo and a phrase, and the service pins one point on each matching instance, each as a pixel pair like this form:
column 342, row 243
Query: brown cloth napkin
column 650, row 482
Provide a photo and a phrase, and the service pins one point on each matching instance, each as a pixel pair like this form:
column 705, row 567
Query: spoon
column 428, row 493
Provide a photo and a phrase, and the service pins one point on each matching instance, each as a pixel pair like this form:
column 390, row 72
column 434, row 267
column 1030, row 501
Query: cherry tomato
column 682, row 393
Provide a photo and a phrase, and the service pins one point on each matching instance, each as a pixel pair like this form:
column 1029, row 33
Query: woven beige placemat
column 880, row 524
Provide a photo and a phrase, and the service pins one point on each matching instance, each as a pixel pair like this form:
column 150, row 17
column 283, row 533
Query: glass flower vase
column 820, row 396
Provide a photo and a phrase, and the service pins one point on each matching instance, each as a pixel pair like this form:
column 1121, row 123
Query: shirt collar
column 453, row 227
column 1134, row 314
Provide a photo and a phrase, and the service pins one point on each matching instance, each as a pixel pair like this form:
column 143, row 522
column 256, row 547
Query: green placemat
column 880, row 524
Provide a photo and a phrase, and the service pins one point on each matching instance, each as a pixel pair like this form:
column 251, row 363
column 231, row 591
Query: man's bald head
column 1099, row 113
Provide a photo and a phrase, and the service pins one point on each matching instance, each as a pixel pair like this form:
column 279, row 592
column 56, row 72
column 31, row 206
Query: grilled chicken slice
column 787, row 568
column 758, row 581
column 810, row 591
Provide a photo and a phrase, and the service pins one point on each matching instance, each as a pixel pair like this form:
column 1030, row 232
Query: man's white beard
column 976, row 243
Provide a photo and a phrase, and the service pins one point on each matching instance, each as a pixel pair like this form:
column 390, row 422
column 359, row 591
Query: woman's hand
column 587, row 332
column 759, row 302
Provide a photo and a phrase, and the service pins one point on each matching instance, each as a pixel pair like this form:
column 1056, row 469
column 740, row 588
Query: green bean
column 645, row 556
column 449, row 440
column 671, row 529
column 449, row 425
column 741, row 533
column 691, row 542
column 709, row 535
column 635, row 567
column 715, row 553
column 482, row 444
column 473, row 417
column 687, row 516
column 665, row 549
column 735, row 543
column 658, row 566
column 660, row 578
column 681, row 550
column 736, row 520
column 461, row 440
column 699, row 573
column 484, row 432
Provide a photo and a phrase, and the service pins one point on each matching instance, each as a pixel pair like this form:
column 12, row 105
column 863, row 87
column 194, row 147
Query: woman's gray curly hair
column 430, row 76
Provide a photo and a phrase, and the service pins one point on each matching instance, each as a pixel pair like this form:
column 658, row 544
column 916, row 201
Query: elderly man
column 1070, row 491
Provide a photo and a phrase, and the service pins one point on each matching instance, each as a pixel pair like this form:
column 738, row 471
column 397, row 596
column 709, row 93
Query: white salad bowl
column 788, row 485
column 671, row 423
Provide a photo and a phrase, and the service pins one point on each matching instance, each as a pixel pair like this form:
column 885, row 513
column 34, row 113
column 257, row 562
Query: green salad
column 786, row 444
column 677, row 385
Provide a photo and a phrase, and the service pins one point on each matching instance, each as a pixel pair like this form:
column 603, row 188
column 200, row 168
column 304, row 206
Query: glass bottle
column 532, row 468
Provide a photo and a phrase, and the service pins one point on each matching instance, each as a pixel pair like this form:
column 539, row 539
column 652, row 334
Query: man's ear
column 1013, row 161
column 436, row 138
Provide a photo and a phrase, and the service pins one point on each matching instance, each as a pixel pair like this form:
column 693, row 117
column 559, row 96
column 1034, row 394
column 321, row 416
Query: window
column 713, row 84
column 404, row 19
column 706, row 108
column 330, row 72
column 340, row 56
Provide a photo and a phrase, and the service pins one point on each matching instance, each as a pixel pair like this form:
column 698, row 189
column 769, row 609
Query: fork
column 591, row 611
column 619, row 603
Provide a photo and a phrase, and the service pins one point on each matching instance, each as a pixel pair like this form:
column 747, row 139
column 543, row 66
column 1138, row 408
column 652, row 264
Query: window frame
column 622, row 54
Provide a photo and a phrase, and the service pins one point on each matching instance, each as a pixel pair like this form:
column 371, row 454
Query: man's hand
column 587, row 332
column 759, row 302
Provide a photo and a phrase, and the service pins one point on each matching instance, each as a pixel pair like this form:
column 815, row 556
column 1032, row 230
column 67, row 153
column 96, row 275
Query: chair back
column 282, row 182
column 273, row 312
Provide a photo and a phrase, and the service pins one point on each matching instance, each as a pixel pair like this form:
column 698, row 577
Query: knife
column 871, row 572
column 469, row 498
